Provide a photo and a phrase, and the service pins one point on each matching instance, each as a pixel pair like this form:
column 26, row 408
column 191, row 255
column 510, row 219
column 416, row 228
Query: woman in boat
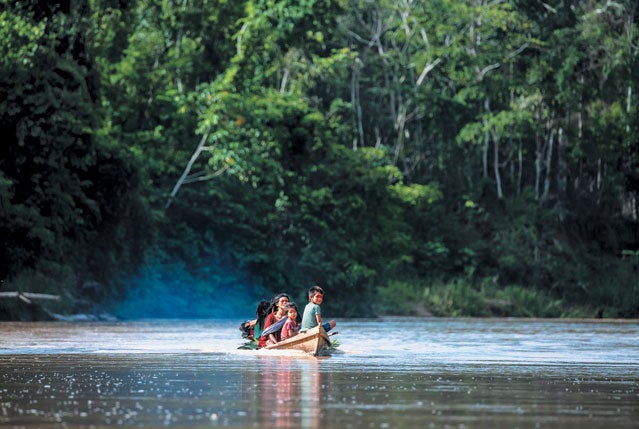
column 252, row 329
column 274, row 321
column 261, row 313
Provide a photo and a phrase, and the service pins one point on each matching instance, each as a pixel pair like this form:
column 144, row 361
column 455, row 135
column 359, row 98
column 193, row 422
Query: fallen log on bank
column 28, row 296
column 26, row 309
column 22, row 306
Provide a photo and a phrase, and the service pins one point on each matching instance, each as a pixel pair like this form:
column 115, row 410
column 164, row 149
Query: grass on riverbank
column 610, row 296
column 459, row 298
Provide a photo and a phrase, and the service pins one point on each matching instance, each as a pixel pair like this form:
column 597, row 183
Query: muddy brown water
column 385, row 373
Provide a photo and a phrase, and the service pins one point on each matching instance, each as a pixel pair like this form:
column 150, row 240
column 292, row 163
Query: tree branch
column 200, row 177
column 518, row 51
column 427, row 70
column 486, row 69
column 187, row 170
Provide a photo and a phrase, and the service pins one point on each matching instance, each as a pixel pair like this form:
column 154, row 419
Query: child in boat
column 313, row 313
column 292, row 325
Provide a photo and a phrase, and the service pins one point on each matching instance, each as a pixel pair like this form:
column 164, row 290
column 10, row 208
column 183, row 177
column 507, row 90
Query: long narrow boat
column 315, row 341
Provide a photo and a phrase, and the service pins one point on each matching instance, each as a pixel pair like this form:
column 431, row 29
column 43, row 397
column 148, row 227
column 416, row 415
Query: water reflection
column 311, row 394
column 286, row 391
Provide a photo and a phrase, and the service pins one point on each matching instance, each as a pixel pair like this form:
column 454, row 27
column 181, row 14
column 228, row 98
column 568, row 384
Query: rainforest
column 187, row 158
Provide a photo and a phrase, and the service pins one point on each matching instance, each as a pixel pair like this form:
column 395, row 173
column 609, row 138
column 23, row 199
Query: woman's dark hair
column 276, row 299
column 263, row 309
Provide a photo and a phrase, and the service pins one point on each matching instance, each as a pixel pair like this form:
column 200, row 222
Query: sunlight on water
column 478, row 373
column 407, row 342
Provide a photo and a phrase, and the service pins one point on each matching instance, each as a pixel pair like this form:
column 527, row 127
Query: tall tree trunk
column 628, row 105
column 484, row 155
column 400, row 125
column 548, row 164
column 562, row 168
column 486, row 139
column 520, row 157
column 357, row 104
column 539, row 155
column 284, row 80
column 496, row 140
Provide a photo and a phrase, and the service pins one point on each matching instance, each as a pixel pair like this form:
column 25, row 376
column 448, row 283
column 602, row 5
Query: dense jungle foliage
column 185, row 158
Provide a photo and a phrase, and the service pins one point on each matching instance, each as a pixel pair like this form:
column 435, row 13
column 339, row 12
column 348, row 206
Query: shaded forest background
column 185, row 158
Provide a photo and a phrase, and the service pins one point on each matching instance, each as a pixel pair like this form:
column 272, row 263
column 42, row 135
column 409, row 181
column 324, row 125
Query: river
column 385, row 373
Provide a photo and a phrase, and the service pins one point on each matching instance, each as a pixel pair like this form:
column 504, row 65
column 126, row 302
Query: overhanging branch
column 187, row 170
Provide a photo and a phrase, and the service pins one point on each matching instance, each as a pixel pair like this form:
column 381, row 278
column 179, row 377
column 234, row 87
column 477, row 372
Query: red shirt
column 290, row 329
column 270, row 319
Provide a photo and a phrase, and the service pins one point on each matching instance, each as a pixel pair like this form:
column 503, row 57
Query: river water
column 385, row 373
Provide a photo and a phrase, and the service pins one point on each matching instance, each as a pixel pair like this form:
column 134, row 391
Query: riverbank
column 455, row 298
column 39, row 307
column 462, row 299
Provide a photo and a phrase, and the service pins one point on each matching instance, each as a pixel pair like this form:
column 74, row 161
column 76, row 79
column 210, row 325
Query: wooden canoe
column 314, row 341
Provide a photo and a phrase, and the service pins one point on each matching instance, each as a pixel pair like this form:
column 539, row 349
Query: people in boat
column 313, row 313
column 292, row 325
column 273, row 324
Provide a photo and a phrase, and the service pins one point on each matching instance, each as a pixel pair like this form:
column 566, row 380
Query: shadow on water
column 462, row 374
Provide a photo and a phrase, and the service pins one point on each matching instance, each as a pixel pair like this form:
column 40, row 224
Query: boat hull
column 315, row 341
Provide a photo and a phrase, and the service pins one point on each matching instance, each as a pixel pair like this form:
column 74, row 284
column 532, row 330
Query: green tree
column 63, row 188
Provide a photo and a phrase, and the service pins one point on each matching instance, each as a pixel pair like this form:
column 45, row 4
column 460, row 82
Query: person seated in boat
column 292, row 325
column 313, row 313
column 274, row 321
column 252, row 329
